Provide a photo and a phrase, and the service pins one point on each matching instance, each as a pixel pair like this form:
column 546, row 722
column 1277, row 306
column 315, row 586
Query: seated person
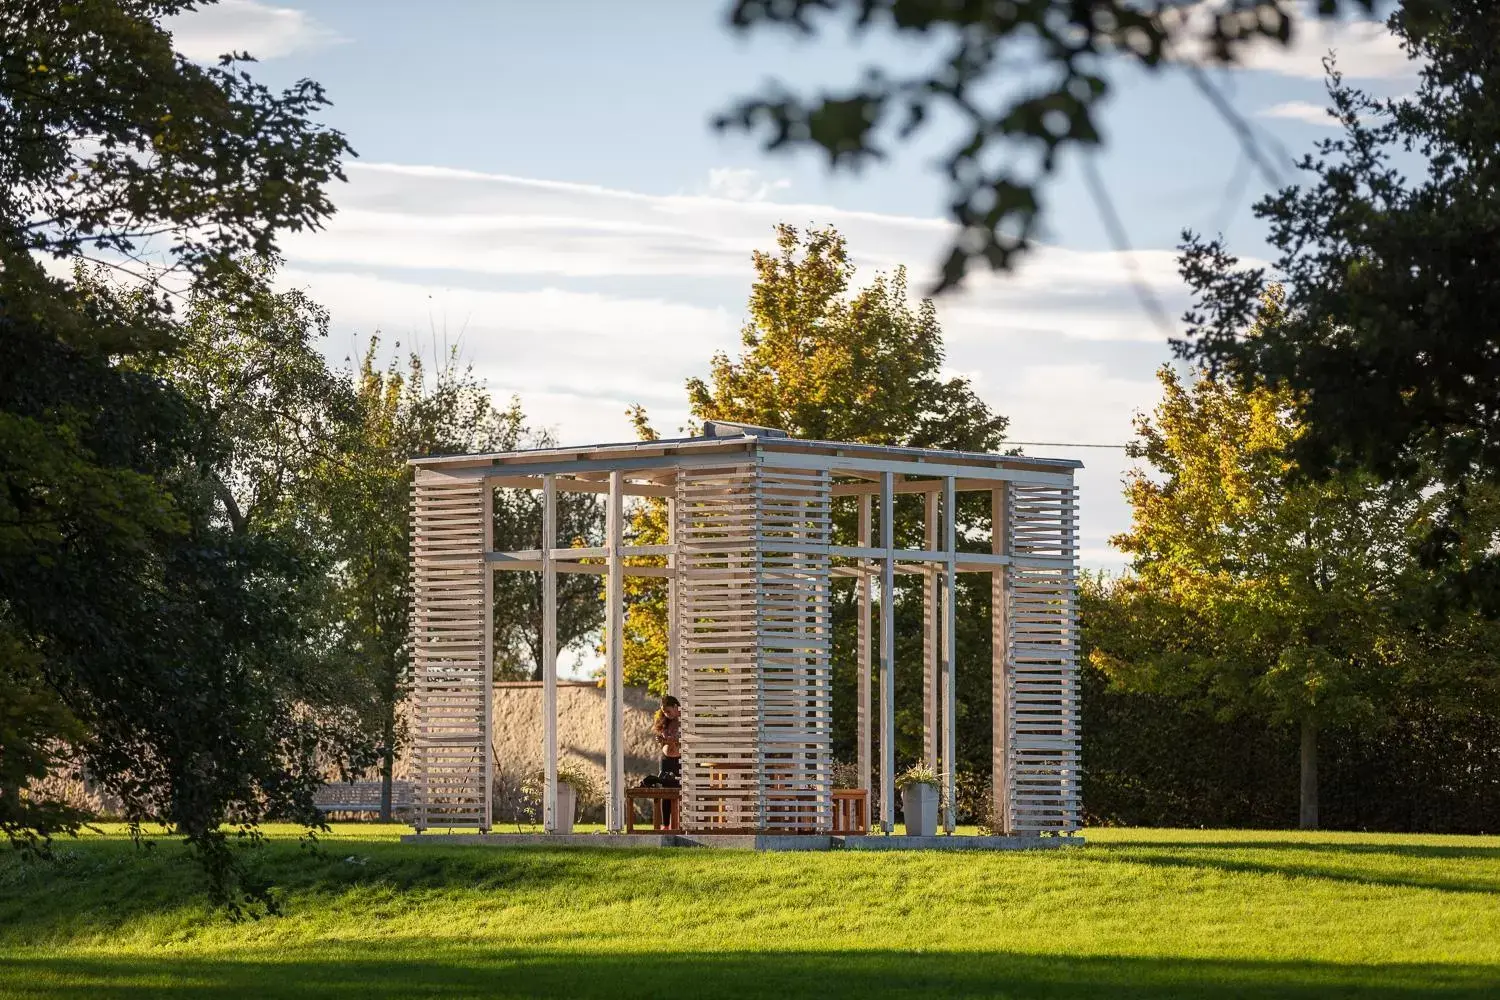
column 668, row 728
column 667, row 725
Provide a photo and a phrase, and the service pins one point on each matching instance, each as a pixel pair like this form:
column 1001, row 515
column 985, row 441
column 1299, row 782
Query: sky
column 540, row 185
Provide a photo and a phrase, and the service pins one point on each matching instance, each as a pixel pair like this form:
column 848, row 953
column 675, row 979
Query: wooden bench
column 659, row 798
column 363, row 797
column 851, row 811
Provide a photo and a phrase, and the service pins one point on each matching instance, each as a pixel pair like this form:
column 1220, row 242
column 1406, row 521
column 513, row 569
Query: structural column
column 950, row 653
column 488, row 513
column 674, row 651
column 1000, row 707
column 614, row 682
column 930, row 639
column 549, row 653
column 887, row 654
column 863, row 654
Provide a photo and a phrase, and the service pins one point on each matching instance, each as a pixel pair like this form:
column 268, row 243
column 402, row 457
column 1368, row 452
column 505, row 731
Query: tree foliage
column 1385, row 253
column 825, row 360
column 148, row 635
column 362, row 496
column 109, row 138
column 518, row 595
column 826, row 357
column 1024, row 81
column 1256, row 592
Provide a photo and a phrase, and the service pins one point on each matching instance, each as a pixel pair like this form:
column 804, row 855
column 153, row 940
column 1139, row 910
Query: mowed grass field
column 1136, row 913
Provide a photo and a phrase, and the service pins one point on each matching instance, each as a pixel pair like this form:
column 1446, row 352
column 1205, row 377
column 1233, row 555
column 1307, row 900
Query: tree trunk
column 1308, row 813
column 387, row 768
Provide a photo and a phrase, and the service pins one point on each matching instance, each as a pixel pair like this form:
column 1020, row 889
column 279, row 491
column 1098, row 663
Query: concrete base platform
column 745, row 842
column 901, row 842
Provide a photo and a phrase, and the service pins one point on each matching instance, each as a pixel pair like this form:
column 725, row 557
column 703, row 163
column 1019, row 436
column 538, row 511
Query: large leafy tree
column 362, row 501
column 362, row 497
column 1388, row 339
column 160, row 643
column 823, row 357
column 1254, row 593
column 1017, row 83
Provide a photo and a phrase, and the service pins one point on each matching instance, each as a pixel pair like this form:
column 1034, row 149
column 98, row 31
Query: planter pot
column 919, row 807
column 567, row 807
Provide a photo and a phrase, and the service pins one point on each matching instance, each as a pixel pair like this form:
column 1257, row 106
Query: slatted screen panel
column 795, row 643
column 717, row 596
column 753, row 602
column 1042, row 622
column 450, row 683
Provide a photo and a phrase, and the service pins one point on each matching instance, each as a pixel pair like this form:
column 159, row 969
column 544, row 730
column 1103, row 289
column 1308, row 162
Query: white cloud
column 743, row 184
column 487, row 226
column 577, row 359
column 1300, row 111
column 1365, row 49
column 584, row 299
column 263, row 30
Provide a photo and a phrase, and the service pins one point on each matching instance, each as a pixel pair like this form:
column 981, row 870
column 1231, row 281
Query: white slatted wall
column 450, row 675
column 796, row 682
column 716, row 633
column 753, row 603
column 1042, row 626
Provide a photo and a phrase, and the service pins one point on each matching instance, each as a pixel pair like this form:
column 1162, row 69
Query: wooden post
column 864, row 716
column 950, row 652
column 930, row 695
column 887, row 654
column 614, row 696
column 549, row 653
column 674, row 652
column 487, row 813
column 1000, row 708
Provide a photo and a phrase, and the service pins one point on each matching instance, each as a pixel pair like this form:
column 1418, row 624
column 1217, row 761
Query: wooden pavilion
column 748, row 569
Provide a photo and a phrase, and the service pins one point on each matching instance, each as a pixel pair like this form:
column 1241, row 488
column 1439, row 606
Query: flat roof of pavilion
column 737, row 439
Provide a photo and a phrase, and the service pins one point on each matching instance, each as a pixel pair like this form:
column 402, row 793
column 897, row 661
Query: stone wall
column 517, row 710
column 581, row 729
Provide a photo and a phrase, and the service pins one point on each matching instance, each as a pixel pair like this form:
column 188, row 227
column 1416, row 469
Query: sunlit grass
column 1139, row 913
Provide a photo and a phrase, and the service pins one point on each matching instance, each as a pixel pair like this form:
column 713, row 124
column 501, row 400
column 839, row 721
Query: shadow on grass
column 1420, row 851
column 409, row 968
column 90, row 889
column 1282, row 859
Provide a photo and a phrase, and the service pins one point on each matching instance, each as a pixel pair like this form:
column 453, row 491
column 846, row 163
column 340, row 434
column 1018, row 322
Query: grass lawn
column 1137, row 913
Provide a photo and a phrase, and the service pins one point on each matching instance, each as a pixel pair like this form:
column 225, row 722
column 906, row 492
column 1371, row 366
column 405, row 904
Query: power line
column 1064, row 444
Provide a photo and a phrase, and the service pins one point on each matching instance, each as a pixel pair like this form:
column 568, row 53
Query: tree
column 825, row 364
column 263, row 387
column 825, row 359
column 163, row 646
column 646, row 627
column 518, row 596
column 1254, row 593
column 1386, row 340
column 1010, row 138
column 108, row 138
column 363, row 501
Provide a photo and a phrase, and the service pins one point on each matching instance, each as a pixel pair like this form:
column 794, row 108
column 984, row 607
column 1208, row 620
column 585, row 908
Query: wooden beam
column 887, row 655
column 907, row 485
column 847, row 465
column 566, row 553
column 863, row 638
column 568, row 485
column 930, row 637
column 950, row 656
column 549, row 653
column 999, row 666
column 614, row 604
column 674, row 652
column 487, row 508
